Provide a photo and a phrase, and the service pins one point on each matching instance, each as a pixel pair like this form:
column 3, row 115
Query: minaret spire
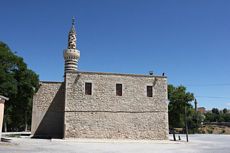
column 73, row 21
column 195, row 105
column 73, row 25
column 71, row 55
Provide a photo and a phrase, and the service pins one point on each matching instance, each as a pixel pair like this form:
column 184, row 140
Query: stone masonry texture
column 48, row 110
column 105, row 115
column 63, row 110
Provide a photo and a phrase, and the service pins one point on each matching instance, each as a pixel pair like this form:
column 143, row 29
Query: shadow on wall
column 52, row 124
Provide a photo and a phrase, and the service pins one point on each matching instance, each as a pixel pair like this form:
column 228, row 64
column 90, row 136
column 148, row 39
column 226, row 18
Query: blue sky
column 188, row 40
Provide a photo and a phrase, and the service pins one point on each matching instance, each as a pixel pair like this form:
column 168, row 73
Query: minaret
column 71, row 55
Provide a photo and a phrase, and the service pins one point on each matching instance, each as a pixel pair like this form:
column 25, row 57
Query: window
column 119, row 89
column 149, row 91
column 88, row 88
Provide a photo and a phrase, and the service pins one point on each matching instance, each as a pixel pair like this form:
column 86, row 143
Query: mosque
column 100, row 105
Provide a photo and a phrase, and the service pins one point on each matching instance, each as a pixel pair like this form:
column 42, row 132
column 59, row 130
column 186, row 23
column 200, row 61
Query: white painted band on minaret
column 71, row 54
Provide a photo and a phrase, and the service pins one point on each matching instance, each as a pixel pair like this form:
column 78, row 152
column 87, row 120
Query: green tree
column 194, row 120
column 215, row 111
column 19, row 84
column 179, row 98
column 209, row 117
column 226, row 117
column 217, row 116
column 225, row 110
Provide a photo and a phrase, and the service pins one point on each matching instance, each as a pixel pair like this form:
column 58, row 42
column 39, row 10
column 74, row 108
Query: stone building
column 100, row 105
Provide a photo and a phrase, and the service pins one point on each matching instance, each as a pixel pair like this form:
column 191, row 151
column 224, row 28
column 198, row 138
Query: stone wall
column 48, row 110
column 105, row 115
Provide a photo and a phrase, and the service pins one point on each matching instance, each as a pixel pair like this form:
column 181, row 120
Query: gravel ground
column 197, row 144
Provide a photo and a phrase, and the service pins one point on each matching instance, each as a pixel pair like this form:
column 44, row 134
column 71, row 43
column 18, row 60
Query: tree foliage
column 225, row 110
column 217, row 115
column 19, row 84
column 179, row 98
column 215, row 111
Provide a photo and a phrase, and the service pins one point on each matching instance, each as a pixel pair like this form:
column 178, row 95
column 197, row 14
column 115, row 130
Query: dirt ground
column 198, row 143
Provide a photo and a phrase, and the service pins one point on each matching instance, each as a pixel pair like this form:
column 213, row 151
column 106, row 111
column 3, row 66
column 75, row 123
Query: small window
column 119, row 89
column 88, row 88
column 149, row 91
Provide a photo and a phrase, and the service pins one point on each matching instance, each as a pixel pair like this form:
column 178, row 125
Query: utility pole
column 186, row 124
column 196, row 111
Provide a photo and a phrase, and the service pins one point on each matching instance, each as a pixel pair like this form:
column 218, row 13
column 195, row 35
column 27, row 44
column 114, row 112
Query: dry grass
column 215, row 129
